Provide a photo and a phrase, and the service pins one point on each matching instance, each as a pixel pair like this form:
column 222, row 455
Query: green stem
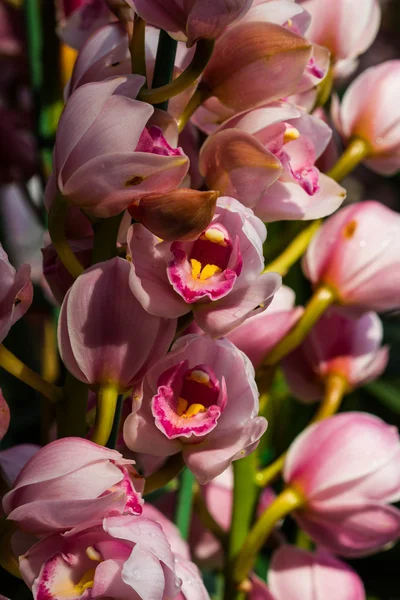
column 57, row 216
column 113, row 439
column 137, row 47
column 185, row 503
column 200, row 96
column 71, row 413
column 322, row 298
column 21, row 371
column 165, row 62
column 189, row 76
column 295, row 250
column 105, row 238
column 284, row 504
column 244, row 500
column 106, row 405
column 356, row 151
column 170, row 469
column 336, row 387
column 325, row 89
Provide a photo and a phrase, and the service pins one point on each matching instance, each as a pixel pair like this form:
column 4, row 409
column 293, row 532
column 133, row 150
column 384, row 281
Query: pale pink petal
column 141, row 435
column 218, row 319
column 289, row 201
column 110, row 183
column 218, row 452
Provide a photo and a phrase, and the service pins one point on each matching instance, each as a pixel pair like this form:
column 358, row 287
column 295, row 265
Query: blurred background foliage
column 21, row 234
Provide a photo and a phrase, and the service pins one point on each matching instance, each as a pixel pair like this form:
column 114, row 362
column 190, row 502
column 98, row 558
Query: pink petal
column 218, row 319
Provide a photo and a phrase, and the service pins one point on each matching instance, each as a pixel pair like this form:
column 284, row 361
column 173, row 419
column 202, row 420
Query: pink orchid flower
column 301, row 575
column 217, row 275
column 16, row 293
column 369, row 110
column 101, row 340
column 124, row 557
column 200, row 399
column 347, row 468
column 337, row 345
column 356, row 253
column 191, row 20
column 347, row 29
column 266, row 159
column 103, row 162
column 72, row 482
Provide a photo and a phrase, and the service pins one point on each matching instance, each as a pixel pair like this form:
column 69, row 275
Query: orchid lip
column 188, row 401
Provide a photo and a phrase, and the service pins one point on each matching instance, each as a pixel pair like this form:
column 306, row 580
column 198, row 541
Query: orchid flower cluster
column 188, row 128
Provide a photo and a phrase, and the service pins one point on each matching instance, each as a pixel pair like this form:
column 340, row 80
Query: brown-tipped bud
column 179, row 215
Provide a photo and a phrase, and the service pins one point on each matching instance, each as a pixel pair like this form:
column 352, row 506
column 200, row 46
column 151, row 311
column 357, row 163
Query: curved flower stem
column 322, row 298
column 57, row 215
column 336, row 387
column 106, row 405
column 105, row 238
column 295, row 250
column 206, row 518
column 269, row 474
column 200, row 96
column 172, row 467
column 189, row 76
column 185, row 502
column 289, row 500
column 356, row 151
column 165, row 62
column 137, row 47
column 21, row 371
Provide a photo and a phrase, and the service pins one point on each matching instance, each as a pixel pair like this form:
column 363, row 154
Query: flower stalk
column 57, row 216
column 21, row 371
column 289, row 500
column 202, row 55
column 356, row 151
column 322, row 298
column 106, row 405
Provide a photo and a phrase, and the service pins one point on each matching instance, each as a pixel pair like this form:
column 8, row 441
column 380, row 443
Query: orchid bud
column 356, row 253
column 201, row 400
column 337, row 345
column 301, row 575
column 217, row 275
column 192, row 20
column 4, row 416
column 255, row 63
column 103, row 162
column 347, row 469
column 103, row 341
column 179, row 215
column 16, row 293
column 266, row 159
column 72, row 482
column 259, row 334
column 347, row 29
column 369, row 111
column 120, row 557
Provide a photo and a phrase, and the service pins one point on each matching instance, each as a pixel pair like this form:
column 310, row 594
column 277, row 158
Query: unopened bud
column 179, row 215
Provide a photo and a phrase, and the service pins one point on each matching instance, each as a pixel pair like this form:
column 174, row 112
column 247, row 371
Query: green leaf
column 386, row 392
